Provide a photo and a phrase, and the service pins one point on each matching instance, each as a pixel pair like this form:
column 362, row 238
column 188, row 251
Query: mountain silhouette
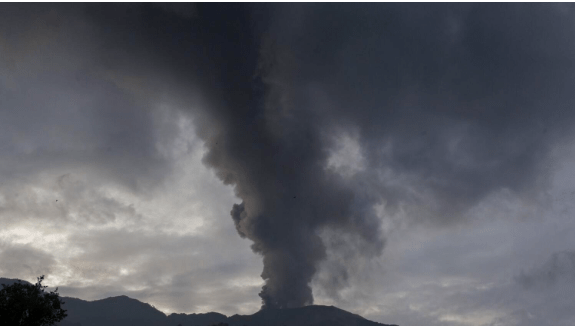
column 125, row 311
column 305, row 316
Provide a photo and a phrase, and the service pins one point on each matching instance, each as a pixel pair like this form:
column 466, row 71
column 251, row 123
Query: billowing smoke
column 275, row 157
column 331, row 118
column 447, row 104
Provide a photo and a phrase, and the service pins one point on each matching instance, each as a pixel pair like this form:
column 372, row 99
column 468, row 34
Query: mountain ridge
column 123, row 310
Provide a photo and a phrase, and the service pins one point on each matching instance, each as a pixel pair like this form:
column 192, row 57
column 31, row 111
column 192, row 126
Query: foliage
column 24, row 304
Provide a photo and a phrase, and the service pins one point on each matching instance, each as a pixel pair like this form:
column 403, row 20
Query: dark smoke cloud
column 455, row 102
column 450, row 104
column 445, row 104
column 465, row 99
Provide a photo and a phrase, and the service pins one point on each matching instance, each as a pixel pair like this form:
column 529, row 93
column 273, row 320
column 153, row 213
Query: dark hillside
column 308, row 316
column 113, row 311
column 125, row 311
column 209, row 318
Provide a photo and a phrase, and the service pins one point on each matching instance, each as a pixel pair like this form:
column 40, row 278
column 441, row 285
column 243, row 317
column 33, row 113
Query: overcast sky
column 411, row 163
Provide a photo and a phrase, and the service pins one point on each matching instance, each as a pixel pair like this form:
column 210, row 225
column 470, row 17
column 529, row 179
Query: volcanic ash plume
column 435, row 133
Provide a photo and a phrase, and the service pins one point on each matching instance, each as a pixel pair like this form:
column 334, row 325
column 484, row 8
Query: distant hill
column 209, row 318
column 304, row 316
column 112, row 311
column 10, row 281
column 125, row 311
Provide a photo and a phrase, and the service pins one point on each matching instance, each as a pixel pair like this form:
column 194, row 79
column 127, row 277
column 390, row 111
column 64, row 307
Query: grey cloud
column 467, row 272
column 24, row 261
column 63, row 109
column 539, row 296
column 558, row 269
column 181, row 273
column 71, row 199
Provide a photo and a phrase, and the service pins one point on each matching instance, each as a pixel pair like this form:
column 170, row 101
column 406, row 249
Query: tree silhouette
column 24, row 304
